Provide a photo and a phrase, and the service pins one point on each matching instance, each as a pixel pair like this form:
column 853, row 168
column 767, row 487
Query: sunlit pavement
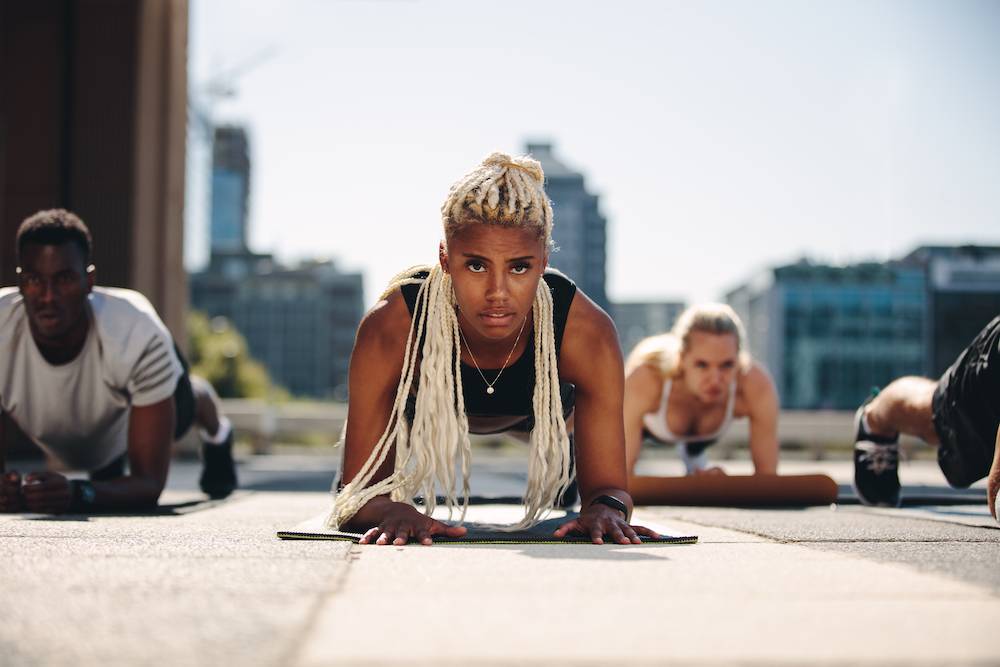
column 209, row 583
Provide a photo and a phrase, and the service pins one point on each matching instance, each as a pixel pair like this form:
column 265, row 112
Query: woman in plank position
column 485, row 341
column 686, row 386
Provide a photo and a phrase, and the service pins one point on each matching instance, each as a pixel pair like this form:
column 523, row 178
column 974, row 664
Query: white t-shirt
column 79, row 411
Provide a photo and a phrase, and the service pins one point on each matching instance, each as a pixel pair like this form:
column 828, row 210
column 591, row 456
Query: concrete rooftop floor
column 208, row 583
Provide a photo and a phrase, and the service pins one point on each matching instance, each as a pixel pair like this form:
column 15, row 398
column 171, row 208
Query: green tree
column 219, row 354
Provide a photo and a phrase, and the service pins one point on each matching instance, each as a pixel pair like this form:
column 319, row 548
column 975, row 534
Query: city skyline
column 721, row 138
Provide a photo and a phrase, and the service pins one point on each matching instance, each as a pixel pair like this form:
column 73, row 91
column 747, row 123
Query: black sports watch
column 82, row 496
column 613, row 503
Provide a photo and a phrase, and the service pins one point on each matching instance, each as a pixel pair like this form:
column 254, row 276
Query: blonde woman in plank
column 485, row 341
column 688, row 385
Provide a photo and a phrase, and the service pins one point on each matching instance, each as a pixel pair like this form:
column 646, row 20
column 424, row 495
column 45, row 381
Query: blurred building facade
column 636, row 320
column 299, row 322
column 830, row 333
column 963, row 295
column 93, row 104
column 580, row 231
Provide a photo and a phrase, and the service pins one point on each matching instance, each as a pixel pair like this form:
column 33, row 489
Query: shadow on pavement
column 304, row 481
column 167, row 509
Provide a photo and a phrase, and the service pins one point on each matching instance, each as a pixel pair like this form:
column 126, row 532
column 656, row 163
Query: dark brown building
column 93, row 106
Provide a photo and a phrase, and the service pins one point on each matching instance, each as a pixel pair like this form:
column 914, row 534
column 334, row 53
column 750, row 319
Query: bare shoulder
column 645, row 378
column 756, row 379
column 586, row 322
column 590, row 341
column 644, row 387
column 757, row 389
column 384, row 328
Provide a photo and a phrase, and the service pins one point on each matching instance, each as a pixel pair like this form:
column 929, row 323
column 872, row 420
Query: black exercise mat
column 541, row 533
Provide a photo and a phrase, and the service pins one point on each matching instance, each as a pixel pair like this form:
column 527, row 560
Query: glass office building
column 580, row 230
column 828, row 334
column 299, row 322
column 230, row 189
column 963, row 295
column 636, row 320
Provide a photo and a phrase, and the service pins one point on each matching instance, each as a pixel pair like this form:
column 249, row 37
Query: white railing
column 814, row 431
column 263, row 423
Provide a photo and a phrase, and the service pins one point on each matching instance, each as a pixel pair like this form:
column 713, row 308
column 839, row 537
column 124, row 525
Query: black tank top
column 515, row 387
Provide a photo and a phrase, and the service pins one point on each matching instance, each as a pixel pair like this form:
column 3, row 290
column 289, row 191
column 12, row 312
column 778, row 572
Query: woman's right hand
column 401, row 522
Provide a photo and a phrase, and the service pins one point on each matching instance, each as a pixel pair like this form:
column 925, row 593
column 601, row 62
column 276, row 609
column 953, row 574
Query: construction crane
column 220, row 86
column 201, row 103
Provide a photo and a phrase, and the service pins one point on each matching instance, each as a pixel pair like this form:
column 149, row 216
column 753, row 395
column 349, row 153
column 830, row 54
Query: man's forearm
column 3, row 444
column 126, row 492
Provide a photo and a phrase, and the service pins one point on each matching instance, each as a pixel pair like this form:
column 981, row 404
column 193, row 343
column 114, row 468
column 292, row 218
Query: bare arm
column 762, row 401
column 592, row 360
column 376, row 364
column 993, row 481
column 150, row 435
column 10, row 483
column 643, row 388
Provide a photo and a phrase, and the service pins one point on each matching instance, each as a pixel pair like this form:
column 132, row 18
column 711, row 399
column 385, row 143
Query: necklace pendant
column 489, row 390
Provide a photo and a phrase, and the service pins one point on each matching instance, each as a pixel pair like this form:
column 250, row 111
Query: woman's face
column 495, row 271
column 709, row 365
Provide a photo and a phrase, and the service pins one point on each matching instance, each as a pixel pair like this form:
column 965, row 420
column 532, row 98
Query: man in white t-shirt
column 92, row 375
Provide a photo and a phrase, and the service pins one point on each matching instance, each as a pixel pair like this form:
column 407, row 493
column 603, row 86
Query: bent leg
column 206, row 405
column 993, row 480
column 218, row 476
column 904, row 407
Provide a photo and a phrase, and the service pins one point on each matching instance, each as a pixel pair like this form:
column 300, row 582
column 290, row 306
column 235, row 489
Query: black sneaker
column 218, row 473
column 876, row 465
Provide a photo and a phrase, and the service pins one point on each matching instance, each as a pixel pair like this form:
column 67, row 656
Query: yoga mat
column 541, row 533
column 734, row 490
column 976, row 516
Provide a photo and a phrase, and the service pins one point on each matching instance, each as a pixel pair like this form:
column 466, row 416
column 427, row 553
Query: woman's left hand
column 599, row 521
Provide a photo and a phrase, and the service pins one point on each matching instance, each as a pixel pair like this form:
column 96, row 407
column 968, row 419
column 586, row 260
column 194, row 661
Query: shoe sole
column 864, row 501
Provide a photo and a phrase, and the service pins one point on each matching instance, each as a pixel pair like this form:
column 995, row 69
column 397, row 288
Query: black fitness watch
column 82, row 495
column 613, row 503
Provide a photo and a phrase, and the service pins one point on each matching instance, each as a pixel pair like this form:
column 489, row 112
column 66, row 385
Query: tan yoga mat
column 734, row 490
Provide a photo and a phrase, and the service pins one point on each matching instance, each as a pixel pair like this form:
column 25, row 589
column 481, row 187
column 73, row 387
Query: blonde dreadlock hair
column 501, row 191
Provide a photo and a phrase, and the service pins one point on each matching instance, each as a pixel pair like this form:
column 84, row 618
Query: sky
column 722, row 137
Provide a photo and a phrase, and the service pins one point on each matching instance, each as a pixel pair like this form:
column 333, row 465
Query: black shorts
column 567, row 395
column 694, row 447
column 183, row 400
column 183, row 419
column 966, row 409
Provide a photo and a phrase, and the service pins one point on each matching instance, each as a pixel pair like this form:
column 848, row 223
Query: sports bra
column 516, row 385
column 656, row 422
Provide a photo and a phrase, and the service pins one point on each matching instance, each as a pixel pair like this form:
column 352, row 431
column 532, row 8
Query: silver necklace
column 489, row 385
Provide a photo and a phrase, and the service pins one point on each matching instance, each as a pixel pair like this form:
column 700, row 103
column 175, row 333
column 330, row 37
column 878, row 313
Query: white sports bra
column 656, row 422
